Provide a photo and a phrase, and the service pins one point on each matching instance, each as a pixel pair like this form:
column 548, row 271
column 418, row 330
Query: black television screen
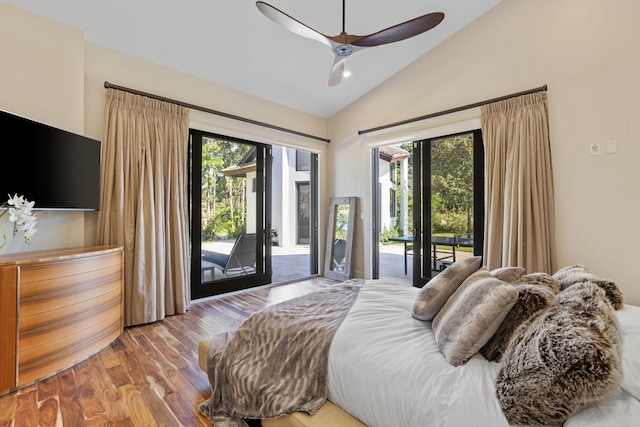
column 54, row 168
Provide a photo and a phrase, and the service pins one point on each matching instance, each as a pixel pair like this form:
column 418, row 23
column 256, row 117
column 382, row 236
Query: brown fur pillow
column 531, row 299
column 578, row 273
column 561, row 360
column 540, row 279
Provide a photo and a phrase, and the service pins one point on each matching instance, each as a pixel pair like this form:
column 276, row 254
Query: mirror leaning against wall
column 339, row 247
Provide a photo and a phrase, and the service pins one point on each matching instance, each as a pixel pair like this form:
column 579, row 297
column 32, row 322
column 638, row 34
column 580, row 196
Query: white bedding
column 386, row 370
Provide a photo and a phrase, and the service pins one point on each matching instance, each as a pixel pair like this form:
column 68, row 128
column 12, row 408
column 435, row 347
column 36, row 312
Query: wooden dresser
column 57, row 308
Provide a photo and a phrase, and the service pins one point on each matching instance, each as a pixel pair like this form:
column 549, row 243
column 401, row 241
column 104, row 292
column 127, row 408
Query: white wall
column 587, row 52
column 41, row 78
column 50, row 74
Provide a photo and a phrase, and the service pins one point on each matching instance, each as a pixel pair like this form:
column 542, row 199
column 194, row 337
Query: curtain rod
column 108, row 85
column 454, row 110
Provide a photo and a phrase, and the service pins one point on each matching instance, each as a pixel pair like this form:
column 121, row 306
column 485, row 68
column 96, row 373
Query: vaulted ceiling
column 229, row 42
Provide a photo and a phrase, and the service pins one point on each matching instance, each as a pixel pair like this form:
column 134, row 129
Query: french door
column 230, row 210
column 448, row 202
column 428, row 205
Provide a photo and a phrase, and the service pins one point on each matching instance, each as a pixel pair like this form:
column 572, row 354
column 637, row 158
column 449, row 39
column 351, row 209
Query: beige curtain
column 144, row 202
column 520, row 222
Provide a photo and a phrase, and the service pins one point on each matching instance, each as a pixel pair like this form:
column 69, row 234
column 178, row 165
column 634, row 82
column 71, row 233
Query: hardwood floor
column 147, row 377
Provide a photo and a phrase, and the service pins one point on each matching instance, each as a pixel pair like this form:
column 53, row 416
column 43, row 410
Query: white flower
column 20, row 213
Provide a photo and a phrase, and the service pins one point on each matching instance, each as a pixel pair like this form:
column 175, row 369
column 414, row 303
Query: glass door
column 448, row 194
column 230, row 214
column 393, row 206
column 294, row 214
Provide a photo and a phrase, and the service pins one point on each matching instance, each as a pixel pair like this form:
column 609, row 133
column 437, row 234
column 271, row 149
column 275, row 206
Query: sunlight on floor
column 285, row 292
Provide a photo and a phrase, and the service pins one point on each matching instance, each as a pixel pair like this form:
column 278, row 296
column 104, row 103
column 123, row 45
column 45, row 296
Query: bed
column 385, row 367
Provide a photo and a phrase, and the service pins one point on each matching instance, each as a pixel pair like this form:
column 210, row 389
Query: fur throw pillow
column 561, row 360
column 437, row 291
column 540, row 279
column 578, row 273
column 508, row 274
column 531, row 299
column 472, row 315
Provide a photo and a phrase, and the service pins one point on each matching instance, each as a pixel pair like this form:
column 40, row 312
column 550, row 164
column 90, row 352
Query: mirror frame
column 334, row 204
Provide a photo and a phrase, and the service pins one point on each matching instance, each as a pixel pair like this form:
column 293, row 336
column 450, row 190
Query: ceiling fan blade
column 337, row 71
column 401, row 31
column 291, row 24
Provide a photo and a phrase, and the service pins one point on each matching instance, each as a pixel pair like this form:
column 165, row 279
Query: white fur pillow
column 472, row 315
column 508, row 274
column 437, row 291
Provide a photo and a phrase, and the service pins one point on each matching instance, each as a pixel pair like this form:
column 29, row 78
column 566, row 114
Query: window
column 392, row 203
column 303, row 160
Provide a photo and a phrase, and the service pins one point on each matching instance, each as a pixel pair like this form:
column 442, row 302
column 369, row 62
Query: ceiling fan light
column 343, row 45
column 343, row 50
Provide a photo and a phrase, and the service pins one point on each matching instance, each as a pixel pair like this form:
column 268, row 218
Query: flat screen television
column 56, row 169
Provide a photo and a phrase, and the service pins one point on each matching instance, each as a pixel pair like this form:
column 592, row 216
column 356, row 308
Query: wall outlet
column 595, row 149
column 612, row 147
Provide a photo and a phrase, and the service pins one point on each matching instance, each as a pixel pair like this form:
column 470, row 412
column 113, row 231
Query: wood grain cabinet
column 57, row 308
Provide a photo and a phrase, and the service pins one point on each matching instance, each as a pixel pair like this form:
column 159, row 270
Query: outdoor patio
column 292, row 263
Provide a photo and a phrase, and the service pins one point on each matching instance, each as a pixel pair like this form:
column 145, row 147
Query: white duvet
column 386, row 370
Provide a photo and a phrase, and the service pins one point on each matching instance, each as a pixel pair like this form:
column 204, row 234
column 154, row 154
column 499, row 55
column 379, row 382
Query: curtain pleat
column 520, row 220
column 144, row 202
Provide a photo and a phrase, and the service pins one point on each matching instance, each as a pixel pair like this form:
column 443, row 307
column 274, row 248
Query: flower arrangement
column 22, row 216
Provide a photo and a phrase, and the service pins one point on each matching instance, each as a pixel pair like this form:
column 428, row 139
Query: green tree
column 342, row 221
column 452, row 178
column 223, row 197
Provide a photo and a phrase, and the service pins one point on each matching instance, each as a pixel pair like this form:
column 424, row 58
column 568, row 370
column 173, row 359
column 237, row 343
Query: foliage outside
column 452, row 184
column 342, row 220
column 452, row 187
column 223, row 198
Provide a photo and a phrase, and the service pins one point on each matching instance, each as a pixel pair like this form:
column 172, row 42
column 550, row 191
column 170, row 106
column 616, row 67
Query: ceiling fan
column 344, row 45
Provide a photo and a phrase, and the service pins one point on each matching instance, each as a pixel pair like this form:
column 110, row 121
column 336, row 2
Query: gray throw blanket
column 276, row 361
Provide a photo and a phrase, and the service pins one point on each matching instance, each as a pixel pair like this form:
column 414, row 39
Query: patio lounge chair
column 240, row 261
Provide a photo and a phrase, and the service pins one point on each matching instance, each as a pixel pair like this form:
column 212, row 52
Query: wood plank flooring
column 147, row 377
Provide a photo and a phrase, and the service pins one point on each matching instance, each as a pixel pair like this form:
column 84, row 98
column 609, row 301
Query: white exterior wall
column 250, row 195
column 296, row 177
column 285, row 206
column 385, row 184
